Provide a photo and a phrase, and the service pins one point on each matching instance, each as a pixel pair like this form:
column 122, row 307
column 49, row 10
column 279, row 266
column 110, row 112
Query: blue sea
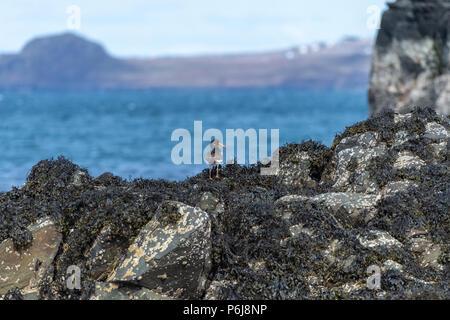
column 128, row 133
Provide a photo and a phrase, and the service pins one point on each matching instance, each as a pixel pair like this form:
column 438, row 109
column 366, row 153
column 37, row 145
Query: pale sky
column 161, row 27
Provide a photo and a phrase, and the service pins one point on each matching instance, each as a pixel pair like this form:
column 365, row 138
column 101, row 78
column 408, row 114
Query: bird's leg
column 210, row 176
column 217, row 172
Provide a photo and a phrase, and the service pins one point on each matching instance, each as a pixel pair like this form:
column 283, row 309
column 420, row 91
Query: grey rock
column 391, row 265
column 420, row 244
column 431, row 256
column 399, row 186
column 356, row 179
column 343, row 207
column 111, row 291
column 297, row 229
column 208, row 202
column 374, row 239
column 353, row 204
column 171, row 254
column 411, row 62
column 28, row 267
column 34, row 295
column 211, row 204
column 407, row 160
column 80, row 177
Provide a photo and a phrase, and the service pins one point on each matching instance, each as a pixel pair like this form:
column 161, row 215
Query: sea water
column 128, row 133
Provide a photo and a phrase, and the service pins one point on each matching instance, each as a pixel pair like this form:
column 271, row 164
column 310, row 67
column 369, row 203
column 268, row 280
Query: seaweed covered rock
column 340, row 255
column 354, row 207
column 377, row 199
column 388, row 148
column 355, row 217
column 171, row 254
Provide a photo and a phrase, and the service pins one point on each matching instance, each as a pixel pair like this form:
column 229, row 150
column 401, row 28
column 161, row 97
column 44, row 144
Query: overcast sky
column 160, row 27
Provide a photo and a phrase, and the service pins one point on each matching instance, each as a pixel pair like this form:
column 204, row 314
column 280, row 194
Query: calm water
column 128, row 132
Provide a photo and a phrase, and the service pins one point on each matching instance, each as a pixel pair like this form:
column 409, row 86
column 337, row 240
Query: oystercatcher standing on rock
column 214, row 157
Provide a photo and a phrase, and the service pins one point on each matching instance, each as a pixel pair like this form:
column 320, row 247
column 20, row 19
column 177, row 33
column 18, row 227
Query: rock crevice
column 411, row 61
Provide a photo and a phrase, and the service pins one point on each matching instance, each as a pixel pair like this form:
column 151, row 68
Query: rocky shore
column 378, row 199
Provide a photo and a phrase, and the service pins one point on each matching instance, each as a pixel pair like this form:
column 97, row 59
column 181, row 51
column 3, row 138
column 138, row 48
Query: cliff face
column 411, row 62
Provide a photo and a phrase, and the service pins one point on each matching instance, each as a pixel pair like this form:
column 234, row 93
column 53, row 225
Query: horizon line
column 345, row 38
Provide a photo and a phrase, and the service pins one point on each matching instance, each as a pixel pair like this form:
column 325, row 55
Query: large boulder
column 104, row 254
column 171, row 254
column 339, row 254
column 112, row 291
column 377, row 199
column 388, row 148
column 301, row 165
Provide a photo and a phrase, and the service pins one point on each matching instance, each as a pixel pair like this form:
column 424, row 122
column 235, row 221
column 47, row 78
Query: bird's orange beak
column 222, row 145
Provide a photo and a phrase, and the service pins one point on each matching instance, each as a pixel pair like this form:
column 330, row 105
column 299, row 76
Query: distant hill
column 61, row 61
column 72, row 62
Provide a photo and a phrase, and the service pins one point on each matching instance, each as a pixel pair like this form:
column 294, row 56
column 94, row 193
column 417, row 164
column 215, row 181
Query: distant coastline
column 68, row 61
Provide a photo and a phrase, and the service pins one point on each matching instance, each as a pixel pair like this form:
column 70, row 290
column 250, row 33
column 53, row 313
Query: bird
column 214, row 157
